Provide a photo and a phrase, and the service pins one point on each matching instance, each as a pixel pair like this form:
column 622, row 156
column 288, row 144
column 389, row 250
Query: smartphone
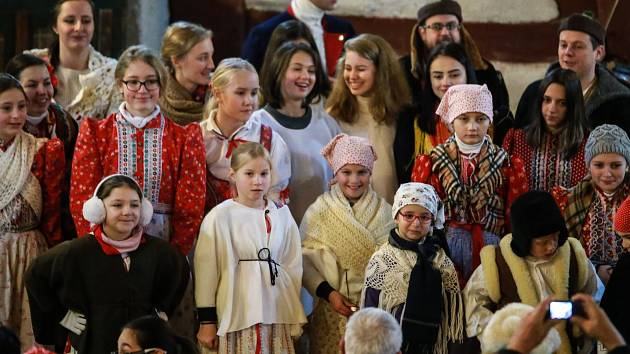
column 563, row 310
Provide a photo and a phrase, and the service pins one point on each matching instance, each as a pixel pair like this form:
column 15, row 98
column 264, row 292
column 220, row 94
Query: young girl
column 248, row 274
column 31, row 175
column 419, row 129
column 152, row 334
column 341, row 231
column 475, row 179
column 552, row 146
column 230, row 123
column 367, row 97
column 93, row 285
column 412, row 277
column 290, row 84
column 85, row 77
column 46, row 119
column 139, row 141
column 187, row 51
column 590, row 205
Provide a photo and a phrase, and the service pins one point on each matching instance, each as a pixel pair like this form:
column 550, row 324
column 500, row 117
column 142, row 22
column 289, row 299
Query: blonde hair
column 246, row 152
column 390, row 88
column 179, row 38
column 145, row 55
column 223, row 76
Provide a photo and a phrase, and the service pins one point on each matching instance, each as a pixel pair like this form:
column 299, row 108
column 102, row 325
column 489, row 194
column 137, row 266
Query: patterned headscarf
column 345, row 149
column 420, row 194
column 460, row 99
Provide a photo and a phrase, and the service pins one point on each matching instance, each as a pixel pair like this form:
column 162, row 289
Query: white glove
column 162, row 315
column 74, row 322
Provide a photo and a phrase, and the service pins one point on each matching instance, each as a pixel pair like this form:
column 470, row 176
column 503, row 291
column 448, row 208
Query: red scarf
column 112, row 247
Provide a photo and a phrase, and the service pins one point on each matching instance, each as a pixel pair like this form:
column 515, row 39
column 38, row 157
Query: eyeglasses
column 424, row 218
column 143, row 351
column 134, row 85
column 438, row 27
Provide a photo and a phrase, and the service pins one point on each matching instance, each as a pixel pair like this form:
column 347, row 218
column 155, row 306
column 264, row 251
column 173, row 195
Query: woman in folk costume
column 476, row 179
column 536, row 261
column 590, row 205
column 340, row 232
column 31, row 175
column 83, row 77
column 248, row 266
column 46, row 119
column 230, row 123
column 552, row 146
column 187, row 51
column 412, row 277
column 139, row 141
column 83, row 291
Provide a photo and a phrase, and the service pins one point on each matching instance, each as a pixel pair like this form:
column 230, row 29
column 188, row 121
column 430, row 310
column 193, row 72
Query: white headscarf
column 420, row 194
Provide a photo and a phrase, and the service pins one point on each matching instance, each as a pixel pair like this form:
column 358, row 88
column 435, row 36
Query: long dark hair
column 153, row 332
column 18, row 63
column 291, row 31
column 426, row 118
column 53, row 50
column 574, row 127
column 273, row 74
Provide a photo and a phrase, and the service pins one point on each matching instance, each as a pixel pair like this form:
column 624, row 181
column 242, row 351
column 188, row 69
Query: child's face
column 414, row 222
column 608, row 171
column 625, row 240
column 122, row 212
column 545, row 247
column 252, row 181
column 353, row 181
column 12, row 113
column 299, row 77
column 140, row 101
column 471, row 127
column 239, row 99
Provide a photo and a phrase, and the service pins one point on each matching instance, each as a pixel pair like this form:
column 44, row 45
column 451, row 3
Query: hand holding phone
column 563, row 310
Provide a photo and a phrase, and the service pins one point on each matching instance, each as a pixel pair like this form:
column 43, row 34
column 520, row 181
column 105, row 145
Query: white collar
column 468, row 148
column 211, row 125
column 138, row 122
column 307, row 12
column 35, row 120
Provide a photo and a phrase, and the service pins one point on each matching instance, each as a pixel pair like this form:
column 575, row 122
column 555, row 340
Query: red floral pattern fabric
column 182, row 171
column 49, row 167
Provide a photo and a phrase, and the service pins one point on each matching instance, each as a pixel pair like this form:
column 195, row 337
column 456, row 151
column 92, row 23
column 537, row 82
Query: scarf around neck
column 15, row 167
column 352, row 232
column 469, row 148
column 179, row 105
column 422, row 316
column 113, row 247
column 138, row 122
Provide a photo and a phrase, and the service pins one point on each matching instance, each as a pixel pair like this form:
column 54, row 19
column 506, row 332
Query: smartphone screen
column 560, row 310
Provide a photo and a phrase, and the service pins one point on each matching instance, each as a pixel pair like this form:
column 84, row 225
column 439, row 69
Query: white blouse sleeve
column 477, row 302
column 281, row 170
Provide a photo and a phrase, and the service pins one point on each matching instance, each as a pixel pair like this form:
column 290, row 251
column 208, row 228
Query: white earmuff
column 94, row 209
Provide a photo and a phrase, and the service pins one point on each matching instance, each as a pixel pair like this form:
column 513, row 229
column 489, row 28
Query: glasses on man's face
column 134, row 85
column 143, row 351
column 423, row 218
column 438, row 26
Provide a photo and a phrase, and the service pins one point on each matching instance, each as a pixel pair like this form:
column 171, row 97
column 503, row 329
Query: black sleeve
column 172, row 277
column 620, row 350
column 323, row 290
column 207, row 314
column 404, row 145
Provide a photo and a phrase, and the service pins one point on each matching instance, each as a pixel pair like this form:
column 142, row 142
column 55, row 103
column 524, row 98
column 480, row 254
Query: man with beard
column 442, row 21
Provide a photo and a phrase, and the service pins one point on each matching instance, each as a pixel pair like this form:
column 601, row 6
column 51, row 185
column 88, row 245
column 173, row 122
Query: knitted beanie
column 535, row 214
column 440, row 7
column 584, row 23
column 605, row 139
column 622, row 217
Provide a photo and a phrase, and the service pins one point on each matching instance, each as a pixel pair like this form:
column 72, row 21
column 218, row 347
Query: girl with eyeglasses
column 139, row 141
column 412, row 277
column 83, row 77
column 341, row 230
column 83, row 291
column 248, row 265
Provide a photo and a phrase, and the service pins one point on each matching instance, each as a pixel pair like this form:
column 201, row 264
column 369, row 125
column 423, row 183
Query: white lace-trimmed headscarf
column 420, row 194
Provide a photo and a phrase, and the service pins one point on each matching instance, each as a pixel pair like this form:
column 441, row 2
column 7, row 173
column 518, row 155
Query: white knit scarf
column 15, row 171
column 352, row 232
column 35, row 120
column 311, row 15
column 469, row 148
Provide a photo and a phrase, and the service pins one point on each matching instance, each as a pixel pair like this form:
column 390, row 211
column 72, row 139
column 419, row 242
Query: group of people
column 144, row 186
